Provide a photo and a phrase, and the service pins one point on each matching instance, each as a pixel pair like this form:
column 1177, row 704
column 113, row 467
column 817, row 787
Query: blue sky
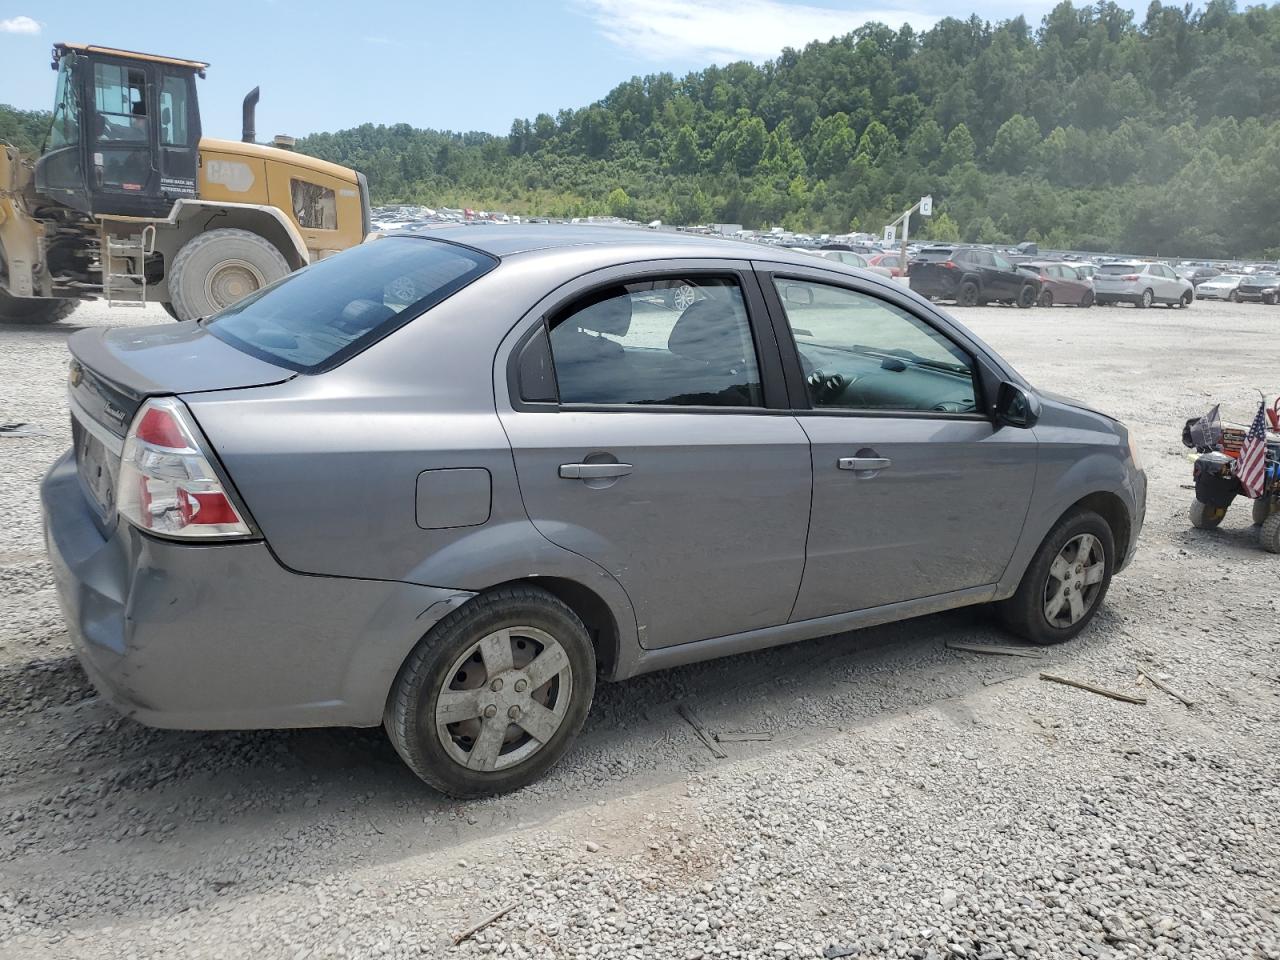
column 326, row 65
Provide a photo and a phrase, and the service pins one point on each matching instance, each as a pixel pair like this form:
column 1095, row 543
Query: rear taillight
column 167, row 485
column 1130, row 276
column 948, row 265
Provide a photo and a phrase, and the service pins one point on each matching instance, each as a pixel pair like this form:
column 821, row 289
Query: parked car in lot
column 851, row 259
column 1141, row 284
column 1198, row 274
column 1059, row 283
column 970, row 276
column 1259, row 288
column 443, row 482
column 891, row 261
column 1221, row 287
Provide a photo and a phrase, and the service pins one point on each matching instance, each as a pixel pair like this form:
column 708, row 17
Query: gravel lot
column 910, row 800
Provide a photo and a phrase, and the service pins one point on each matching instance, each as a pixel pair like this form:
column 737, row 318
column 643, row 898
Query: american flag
column 1251, row 467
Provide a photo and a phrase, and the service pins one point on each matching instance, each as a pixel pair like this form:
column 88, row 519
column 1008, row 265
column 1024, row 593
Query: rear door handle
column 864, row 464
column 593, row 471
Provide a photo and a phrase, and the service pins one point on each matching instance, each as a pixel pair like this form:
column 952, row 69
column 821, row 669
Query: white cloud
column 20, row 25
column 719, row 32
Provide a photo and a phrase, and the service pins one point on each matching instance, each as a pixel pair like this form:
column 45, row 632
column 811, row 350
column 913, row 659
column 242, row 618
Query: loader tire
column 34, row 310
column 219, row 268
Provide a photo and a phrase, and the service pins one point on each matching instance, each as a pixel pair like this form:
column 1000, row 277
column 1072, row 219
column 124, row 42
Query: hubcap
column 685, row 295
column 232, row 280
column 504, row 698
column 1075, row 577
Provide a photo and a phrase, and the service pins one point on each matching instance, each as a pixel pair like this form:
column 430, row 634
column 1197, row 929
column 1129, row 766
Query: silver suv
column 443, row 482
column 1141, row 284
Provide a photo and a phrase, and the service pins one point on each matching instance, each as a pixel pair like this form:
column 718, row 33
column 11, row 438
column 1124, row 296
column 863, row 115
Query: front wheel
column 216, row 269
column 1027, row 297
column 1046, row 299
column 1269, row 534
column 1263, row 507
column 34, row 311
column 494, row 694
column 1087, row 301
column 1065, row 582
column 968, row 294
column 1206, row 517
column 1233, row 297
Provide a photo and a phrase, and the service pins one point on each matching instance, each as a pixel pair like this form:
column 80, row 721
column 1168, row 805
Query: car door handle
column 864, row 464
column 593, row 471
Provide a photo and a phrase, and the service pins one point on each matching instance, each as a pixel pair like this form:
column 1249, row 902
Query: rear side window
column 670, row 342
column 314, row 319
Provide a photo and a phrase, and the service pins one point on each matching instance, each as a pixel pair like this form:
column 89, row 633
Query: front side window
column 314, row 206
column 316, row 318
column 65, row 131
column 861, row 353
column 669, row 342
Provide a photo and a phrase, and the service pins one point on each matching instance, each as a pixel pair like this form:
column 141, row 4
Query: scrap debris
column 1100, row 691
column 746, row 736
column 995, row 649
column 692, row 719
column 1142, row 674
column 21, row 430
column 472, row 931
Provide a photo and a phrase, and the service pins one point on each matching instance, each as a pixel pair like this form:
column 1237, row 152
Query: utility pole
column 891, row 230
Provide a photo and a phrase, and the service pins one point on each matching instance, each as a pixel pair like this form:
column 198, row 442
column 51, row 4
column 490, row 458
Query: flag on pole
column 1251, row 467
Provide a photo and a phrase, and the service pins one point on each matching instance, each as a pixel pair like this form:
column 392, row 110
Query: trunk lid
column 114, row 371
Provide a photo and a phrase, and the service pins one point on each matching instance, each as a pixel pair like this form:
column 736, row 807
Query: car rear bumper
column 221, row 636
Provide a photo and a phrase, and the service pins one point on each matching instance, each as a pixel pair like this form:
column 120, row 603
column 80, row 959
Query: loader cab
column 125, row 133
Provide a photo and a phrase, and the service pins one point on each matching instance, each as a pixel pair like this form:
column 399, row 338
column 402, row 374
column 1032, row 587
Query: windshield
column 65, row 129
column 316, row 318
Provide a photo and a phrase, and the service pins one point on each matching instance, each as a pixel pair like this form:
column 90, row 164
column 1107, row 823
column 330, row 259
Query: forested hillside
column 1095, row 130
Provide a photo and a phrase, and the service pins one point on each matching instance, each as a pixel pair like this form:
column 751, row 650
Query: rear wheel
column 168, row 308
column 968, row 294
column 1146, row 299
column 1263, row 507
column 34, row 311
column 1185, row 301
column 1066, row 581
column 1233, row 297
column 1087, row 301
column 218, row 268
column 494, row 694
column 1046, row 299
column 1027, row 297
column 1206, row 517
column 1269, row 534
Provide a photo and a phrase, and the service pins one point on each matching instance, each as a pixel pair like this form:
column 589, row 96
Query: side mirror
column 800, row 295
column 1016, row 407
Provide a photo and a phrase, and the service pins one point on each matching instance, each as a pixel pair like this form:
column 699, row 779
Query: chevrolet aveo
column 443, row 482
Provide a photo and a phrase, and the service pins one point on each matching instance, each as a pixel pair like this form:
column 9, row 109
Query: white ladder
column 121, row 286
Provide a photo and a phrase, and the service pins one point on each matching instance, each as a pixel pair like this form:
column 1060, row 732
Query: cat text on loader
column 130, row 203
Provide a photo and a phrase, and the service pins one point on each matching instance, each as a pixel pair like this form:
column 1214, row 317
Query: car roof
column 507, row 240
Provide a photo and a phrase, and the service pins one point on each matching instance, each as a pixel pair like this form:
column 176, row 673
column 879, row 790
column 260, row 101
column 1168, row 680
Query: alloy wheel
column 684, row 296
column 504, row 698
column 1075, row 577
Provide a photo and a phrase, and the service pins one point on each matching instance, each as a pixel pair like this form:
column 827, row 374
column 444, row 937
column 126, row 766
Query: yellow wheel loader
column 128, row 202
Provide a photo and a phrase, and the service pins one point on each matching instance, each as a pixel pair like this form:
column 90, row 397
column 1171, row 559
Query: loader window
column 120, row 95
column 173, row 112
column 314, row 206
column 65, row 131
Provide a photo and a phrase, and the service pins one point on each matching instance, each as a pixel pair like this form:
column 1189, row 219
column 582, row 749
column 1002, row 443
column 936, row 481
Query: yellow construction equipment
column 130, row 203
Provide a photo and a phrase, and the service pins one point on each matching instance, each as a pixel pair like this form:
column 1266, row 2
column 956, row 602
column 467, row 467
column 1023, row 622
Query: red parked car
column 890, row 261
column 1059, row 283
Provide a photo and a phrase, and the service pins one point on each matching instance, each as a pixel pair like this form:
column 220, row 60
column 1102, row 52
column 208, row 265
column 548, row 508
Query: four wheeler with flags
column 1235, row 462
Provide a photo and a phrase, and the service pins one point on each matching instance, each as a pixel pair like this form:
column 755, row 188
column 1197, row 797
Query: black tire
column 1262, row 508
column 1185, row 301
column 410, row 713
column 1269, row 534
column 1146, row 300
column 1027, row 297
column 168, row 308
column 967, row 296
column 1046, row 299
column 234, row 262
column 1269, row 300
column 34, row 311
column 1087, row 300
column 1233, row 297
column 1024, row 612
column 1206, row 517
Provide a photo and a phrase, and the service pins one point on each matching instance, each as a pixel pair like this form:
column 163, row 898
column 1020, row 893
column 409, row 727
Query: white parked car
column 1141, row 284
column 1221, row 287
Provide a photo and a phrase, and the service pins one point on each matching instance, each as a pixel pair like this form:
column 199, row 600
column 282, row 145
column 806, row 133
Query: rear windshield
column 316, row 318
column 1120, row 268
column 935, row 254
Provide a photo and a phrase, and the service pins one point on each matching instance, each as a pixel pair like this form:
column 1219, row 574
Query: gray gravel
column 912, row 801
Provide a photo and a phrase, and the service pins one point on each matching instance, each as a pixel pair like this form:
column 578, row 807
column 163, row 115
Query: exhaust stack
column 248, row 133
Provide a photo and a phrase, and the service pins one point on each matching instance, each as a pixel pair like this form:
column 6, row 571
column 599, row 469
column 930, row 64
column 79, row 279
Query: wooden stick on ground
column 472, row 931
column 1160, row 686
column 995, row 648
column 1101, row 691
column 701, row 731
